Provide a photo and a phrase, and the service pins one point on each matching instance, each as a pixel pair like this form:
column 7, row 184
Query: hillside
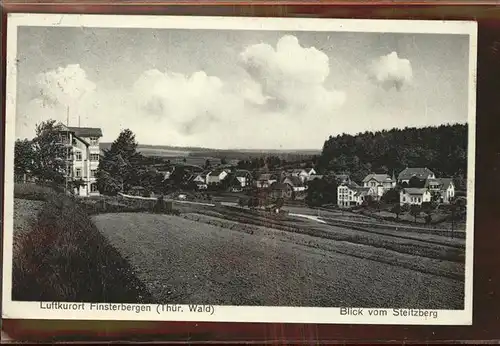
column 214, row 154
column 442, row 149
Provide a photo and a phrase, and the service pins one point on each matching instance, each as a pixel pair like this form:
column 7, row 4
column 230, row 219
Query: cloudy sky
column 238, row 89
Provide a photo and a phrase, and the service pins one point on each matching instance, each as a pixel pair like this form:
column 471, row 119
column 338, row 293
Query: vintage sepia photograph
column 239, row 169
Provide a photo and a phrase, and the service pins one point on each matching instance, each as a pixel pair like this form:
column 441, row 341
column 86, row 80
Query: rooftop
column 415, row 191
column 418, row 172
column 378, row 177
column 86, row 131
column 443, row 182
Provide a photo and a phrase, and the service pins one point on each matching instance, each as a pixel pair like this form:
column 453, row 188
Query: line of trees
column 442, row 148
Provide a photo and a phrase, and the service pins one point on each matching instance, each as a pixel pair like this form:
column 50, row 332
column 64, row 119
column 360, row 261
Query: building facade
column 351, row 194
column 443, row 188
column 414, row 196
column 420, row 173
column 379, row 183
column 83, row 155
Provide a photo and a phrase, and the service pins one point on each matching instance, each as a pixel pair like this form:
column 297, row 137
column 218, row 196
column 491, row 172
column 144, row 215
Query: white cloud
column 391, row 71
column 64, row 86
column 163, row 107
column 291, row 75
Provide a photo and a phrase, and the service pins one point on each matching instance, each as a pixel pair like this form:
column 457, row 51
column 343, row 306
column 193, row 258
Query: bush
column 66, row 258
column 33, row 192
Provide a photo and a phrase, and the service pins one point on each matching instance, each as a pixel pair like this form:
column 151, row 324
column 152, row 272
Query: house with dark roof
column 83, row 155
column 414, row 196
column 265, row 180
column 244, row 177
column 217, row 175
column 303, row 173
column 342, row 178
column 351, row 194
column 380, row 183
column 296, row 183
column 280, row 190
column 421, row 173
column 443, row 187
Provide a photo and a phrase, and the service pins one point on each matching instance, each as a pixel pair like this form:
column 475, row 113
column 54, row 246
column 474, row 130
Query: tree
column 24, row 157
column 125, row 145
column 396, row 209
column 207, row 164
column 415, row 210
column 322, row 191
column 391, row 196
column 223, row 161
column 119, row 168
column 49, row 153
column 416, row 182
column 428, row 208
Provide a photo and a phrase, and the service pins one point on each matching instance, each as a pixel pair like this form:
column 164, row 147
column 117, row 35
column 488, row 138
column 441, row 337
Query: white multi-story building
column 351, row 194
column 83, row 154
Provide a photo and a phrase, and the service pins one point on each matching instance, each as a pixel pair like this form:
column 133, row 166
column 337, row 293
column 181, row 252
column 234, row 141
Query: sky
column 238, row 89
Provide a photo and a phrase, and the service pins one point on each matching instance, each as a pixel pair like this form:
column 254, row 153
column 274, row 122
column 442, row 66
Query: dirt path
column 185, row 261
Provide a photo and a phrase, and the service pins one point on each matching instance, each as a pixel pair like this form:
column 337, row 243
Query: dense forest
column 442, row 149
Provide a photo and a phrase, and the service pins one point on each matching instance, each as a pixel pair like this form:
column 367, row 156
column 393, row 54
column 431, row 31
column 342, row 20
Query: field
column 209, row 259
column 117, row 249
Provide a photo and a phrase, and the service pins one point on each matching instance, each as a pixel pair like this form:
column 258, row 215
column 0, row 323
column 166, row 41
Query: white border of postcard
column 35, row 310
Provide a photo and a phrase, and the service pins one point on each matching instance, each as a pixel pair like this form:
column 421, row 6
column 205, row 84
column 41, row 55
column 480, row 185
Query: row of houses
column 237, row 179
column 374, row 186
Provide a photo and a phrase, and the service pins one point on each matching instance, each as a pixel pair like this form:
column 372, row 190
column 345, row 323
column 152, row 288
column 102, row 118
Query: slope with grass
column 61, row 256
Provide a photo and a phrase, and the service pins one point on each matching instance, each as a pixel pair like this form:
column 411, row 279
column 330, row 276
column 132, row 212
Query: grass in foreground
column 65, row 258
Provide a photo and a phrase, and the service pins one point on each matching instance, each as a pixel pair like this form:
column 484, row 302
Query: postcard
column 239, row 169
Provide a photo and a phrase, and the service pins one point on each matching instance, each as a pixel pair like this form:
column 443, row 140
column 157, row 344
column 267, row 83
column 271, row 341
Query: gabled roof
column 443, row 182
column 381, row 178
column 267, row 176
column 217, row 172
column 316, row 176
column 295, row 181
column 241, row 173
column 415, row 191
column 279, row 186
column 362, row 190
column 421, row 173
column 342, row 176
column 86, row 131
column 296, row 170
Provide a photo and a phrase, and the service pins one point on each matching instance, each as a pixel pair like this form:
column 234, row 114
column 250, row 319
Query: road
column 185, row 261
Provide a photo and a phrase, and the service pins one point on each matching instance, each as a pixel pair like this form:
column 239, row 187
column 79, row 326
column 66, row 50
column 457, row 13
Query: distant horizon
column 173, row 147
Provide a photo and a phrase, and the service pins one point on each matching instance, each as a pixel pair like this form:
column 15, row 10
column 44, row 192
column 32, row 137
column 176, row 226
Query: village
column 413, row 190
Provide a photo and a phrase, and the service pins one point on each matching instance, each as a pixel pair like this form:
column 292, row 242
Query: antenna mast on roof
column 67, row 116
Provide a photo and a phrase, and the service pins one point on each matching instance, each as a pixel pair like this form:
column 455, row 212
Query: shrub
column 33, row 191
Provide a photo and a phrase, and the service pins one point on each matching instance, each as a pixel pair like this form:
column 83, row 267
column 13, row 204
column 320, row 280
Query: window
column 93, row 187
column 78, row 155
column 78, row 172
column 94, row 157
column 94, row 140
column 93, row 172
